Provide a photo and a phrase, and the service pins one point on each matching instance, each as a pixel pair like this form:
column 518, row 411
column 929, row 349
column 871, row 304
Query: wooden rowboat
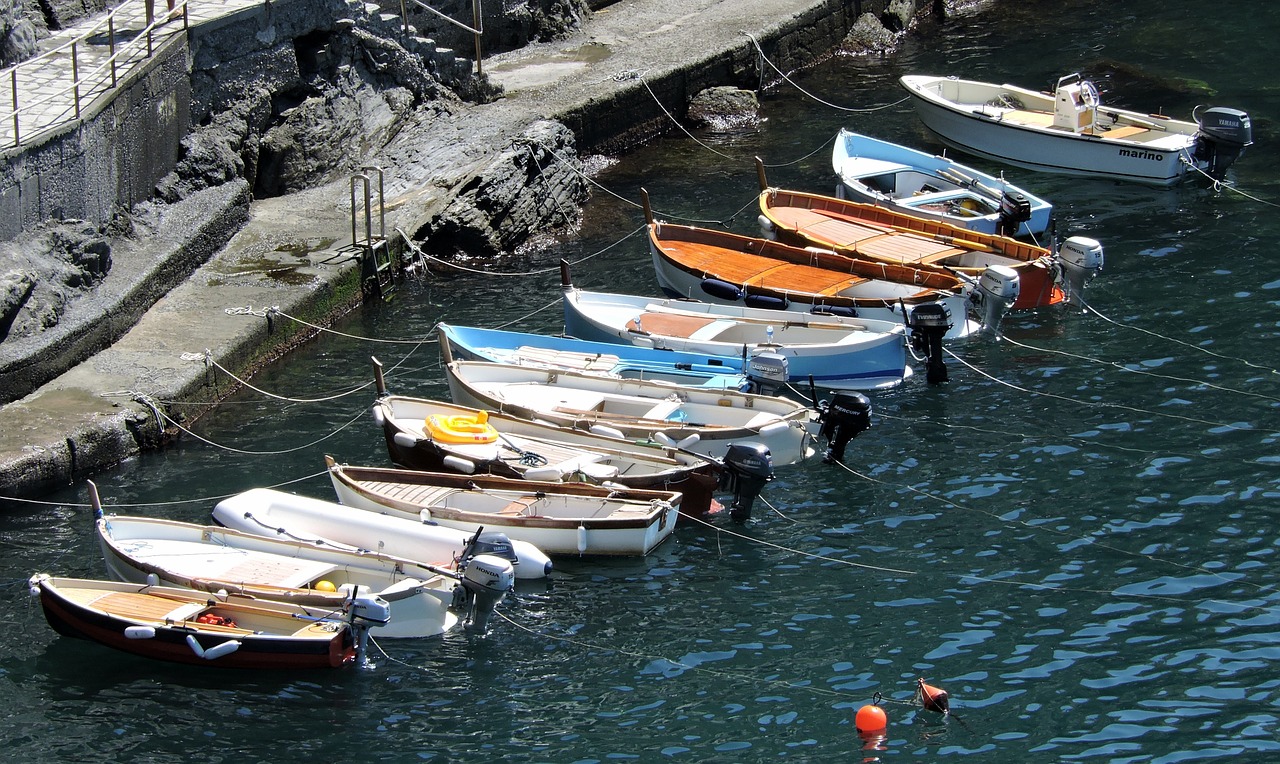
column 558, row 518
column 186, row 626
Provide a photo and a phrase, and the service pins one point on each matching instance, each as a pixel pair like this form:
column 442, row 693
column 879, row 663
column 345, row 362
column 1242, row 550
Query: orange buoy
column 931, row 698
column 871, row 719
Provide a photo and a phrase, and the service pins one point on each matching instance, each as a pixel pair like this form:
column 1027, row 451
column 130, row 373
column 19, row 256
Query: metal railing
column 83, row 88
column 477, row 18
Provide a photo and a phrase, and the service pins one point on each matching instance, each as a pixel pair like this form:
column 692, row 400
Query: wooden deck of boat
column 416, row 494
column 755, row 270
column 878, row 242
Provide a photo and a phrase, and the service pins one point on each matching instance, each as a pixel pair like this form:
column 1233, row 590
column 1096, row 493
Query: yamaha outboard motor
column 747, row 467
column 996, row 292
column 1080, row 259
column 1224, row 134
column 492, row 543
column 767, row 372
column 929, row 323
column 1015, row 209
column 847, row 415
column 486, row 579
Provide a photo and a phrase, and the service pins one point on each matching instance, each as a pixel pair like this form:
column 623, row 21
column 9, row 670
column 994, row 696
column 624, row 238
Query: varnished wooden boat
column 881, row 235
column 707, row 264
column 558, row 518
column 191, row 627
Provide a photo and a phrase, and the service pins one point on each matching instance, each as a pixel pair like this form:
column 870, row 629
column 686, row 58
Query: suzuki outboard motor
column 486, row 580
column 996, row 292
column 1224, row 134
column 1080, row 259
column 1015, row 209
column 929, row 323
column 747, row 467
column 847, row 415
column 767, row 372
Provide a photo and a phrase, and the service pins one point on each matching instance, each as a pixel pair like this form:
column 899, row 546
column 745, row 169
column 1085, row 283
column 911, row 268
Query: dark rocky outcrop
column 724, row 108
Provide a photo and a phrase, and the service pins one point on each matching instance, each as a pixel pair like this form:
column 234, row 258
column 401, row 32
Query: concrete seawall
column 106, row 409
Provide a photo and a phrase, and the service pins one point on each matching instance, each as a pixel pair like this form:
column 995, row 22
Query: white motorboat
column 926, row 185
column 698, row 419
column 1071, row 131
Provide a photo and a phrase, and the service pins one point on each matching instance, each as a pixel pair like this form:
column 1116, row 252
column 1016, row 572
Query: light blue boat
column 468, row 343
column 934, row 187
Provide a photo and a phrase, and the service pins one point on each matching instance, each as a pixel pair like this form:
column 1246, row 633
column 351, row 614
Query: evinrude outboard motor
column 996, row 292
column 747, row 467
column 1080, row 259
column 767, row 372
column 366, row 610
column 1224, row 133
column 929, row 323
column 847, row 415
column 1015, row 209
column 486, row 579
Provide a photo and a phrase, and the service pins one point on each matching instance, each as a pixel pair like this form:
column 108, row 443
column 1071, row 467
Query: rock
column 724, row 108
column 898, row 15
column 15, row 290
column 21, row 27
column 869, row 36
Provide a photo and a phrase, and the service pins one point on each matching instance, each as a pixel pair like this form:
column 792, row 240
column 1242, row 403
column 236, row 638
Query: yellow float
column 461, row 428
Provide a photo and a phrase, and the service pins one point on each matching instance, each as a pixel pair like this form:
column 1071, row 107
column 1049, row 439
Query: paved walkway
column 101, row 50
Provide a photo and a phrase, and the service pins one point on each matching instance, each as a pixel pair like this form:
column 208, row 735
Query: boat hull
column 854, row 354
column 631, row 529
column 987, row 133
column 872, row 171
column 310, row 645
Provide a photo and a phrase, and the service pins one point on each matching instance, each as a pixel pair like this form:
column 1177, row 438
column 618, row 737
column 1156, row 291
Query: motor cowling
column 746, row 468
column 365, row 610
column 493, row 544
column 1015, row 209
column 1080, row 259
column 1224, row 133
column 843, row 418
column 928, row 324
column 767, row 372
column 486, row 579
column 996, row 292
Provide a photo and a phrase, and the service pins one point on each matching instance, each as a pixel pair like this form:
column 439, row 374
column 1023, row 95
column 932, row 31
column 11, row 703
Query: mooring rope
column 837, row 107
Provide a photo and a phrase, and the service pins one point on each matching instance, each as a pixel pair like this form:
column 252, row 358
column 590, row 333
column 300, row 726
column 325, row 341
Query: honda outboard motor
column 767, row 372
column 1080, row 259
column 1224, row 134
column 747, row 467
column 486, row 579
column 997, row 291
column 847, row 415
column 929, row 323
column 1015, row 209
column 366, row 610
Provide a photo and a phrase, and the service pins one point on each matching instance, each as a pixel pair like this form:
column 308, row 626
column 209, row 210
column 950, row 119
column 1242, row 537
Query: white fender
column 690, row 442
column 378, row 417
column 405, row 440
column 455, row 463
column 607, row 431
column 582, row 539
column 544, row 474
column 213, row 653
column 139, row 632
column 663, row 439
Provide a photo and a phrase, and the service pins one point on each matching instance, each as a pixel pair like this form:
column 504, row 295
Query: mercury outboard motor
column 847, row 415
column 747, row 468
column 1080, row 259
column 767, row 372
column 1015, row 209
column 1224, row 133
column 996, row 292
column 929, row 323
column 486, row 580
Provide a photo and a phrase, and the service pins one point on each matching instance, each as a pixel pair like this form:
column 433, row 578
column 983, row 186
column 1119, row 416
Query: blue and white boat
column 934, row 187
column 835, row 352
column 469, row 343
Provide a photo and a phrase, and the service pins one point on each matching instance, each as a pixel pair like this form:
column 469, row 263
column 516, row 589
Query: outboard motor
column 767, row 372
column 1015, row 209
column 847, row 415
column 997, row 291
column 1080, row 259
column 492, row 543
column 365, row 611
column 747, row 468
column 929, row 323
column 1224, row 133
column 486, row 580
